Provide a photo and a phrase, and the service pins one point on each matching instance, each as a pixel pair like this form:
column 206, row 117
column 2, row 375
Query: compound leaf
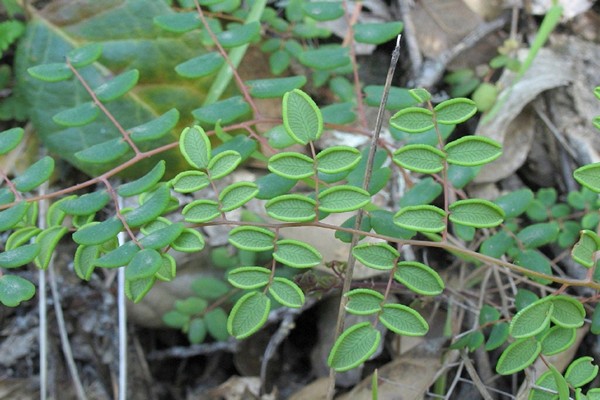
column 419, row 278
column 589, row 176
column 104, row 152
column 294, row 253
column 354, row 347
column 557, row 339
column 80, row 115
column 424, row 218
column 477, row 213
column 84, row 261
column 471, row 151
column 252, row 238
column 568, row 312
column 86, row 204
column 9, row 139
column 236, row 195
column 413, row 120
column 19, row 256
column 248, row 315
column 85, row 55
column 302, row 118
column 532, row 320
column 274, row 87
column 14, row 290
column 377, row 32
column 291, row 165
column 53, row 72
column 420, row 158
column 337, row 159
column 35, row 175
column 48, row 240
column 144, row 264
column 581, row 371
column 201, row 66
column 117, row 86
column 291, row 208
column 200, row 211
column 249, row 277
column 223, row 163
column 584, row 249
column 343, row 198
column 286, row 292
column 403, row 320
column 376, row 255
column 195, row 147
column 190, row 181
column 153, row 206
column 518, row 356
column 189, row 241
column 363, row 301
column 455, row 111
column 144, row 183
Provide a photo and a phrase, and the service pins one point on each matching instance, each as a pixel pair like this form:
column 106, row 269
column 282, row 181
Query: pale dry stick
column 122, row 311
column 43, row 308
column 448, row 396
column 359, row 215
column 410, row 35
column 554, row 130
column 474, row 376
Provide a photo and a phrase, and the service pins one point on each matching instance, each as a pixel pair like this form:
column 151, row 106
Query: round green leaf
column 36, row 174
column 274, row 87
column 477, row 213
column 455, row 111
column 354, row 347
column 337, row 159
column 403, row 320
column 568, row 312
column 216, row 323
column 376, row 255
column 104, row 152
column 535, row 261
column 20, row 237
column 196, row 331
column 200, row 211
column 291, row 165
column 85, row 260
column 343, row 198
column 19, row 256
column 302, row 118
column 488, row 314
column 154, row 205
column 547, row 381
column 236, row 195
column 533, row 319
column 81, row 115
column 323, row 10
column 118, row 257
column 498, row 336
column 85, row 55
column 239, row 35
column 589, row 176
column 54, row 72
column 9, row 139
column 156, row 128
column 190, row 181
column 291, row 208
column 251, row 238
column 581, row 371
column 144, row 183
column 421, row 95
column 249, row 277
column 595, row 328
column 515, row 203
column 201, row 66
column 86, row 204
column 136, row 290
column 377, row 32
column 584, row 249
column 470, row 151
column 286, row 292
column 296, row 254
column 117, row 86
column 48, row 240
column 419, row 278
column 226, row 111
column 143, row 265
column 363, row 301
column 248, row 315
column 557, row 340
column 98, row 232
column 420, row 158
column 325, row 58
column 223, row 163
column 412, row 120
column 537, row 235
column 168, row 269
column 14, row 290
column 161, row 238
column 195, row 147
column 423, row 218
column 178, row 22
column 518, row 356
column 189, row 241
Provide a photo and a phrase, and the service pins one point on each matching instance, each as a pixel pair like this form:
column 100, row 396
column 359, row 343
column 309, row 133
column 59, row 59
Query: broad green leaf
column 459, row 176
column 9, row 139
column 143, row 265
column 223, row 163
column 14, row 290
column 274, row 87
column 292, row 208
column 413, row 120
column 589, row 176
column 20, row 237
column 346, row 237
column 557, row 340
column 161, row 238
column 200, row 211
column 343, row 198
column 547, row 196
column 84, row 261
column 54, row 72
column 117, row 86
column 291, row 165
column 477, row 213
column 376, row 255
column 323, row 10
column 518, row 356
column 118, row 257
column 19, row 256
column 249, row 277
column 537, row 235
column 497, row 244
column 420, row 158
column 403, row 320
column 498, row 336
column 595, row 327
column 399, row 98
column 200, row 66
column 190, row 181
column 363, row 301
column 302, row 118
column 239, row 35
column 279, row 138
column 236, row 195
column 561, row 383
column 515, row 203
column 216, row 323
column 421, row 95
column 423, row 218
column 189, row 241
column 248, row 315
column 377, row 32
column 226, row 111
column 252, row 238
column 568, row 312
column 85, row 55
column 581, row 371
column 470, row 151
column 325, row 58
column 55, row 215
column 48, row 240
column 135, row 290
column 463, row 232
column 195, row 147
column 286, row 292
column 454, row 111
column 98, row 232
column 197, row 331
column 535, row 261
column 294, row 253
column 156, row 128
column 419, row 278
column 584, row 249
column 546, row 381
column 153, row 206
column 339, row 113
column 168, row 269
column 354, row 347
column 533, row 319
column 488, row 314
column 424, row 192
column 179, row 23
column 80, row 115
column 144, row 183
column 36, row 174
column 471, row 341
column 191, row 305
column 279, row 61
column 103, row 153
column 86, row 204
column 524, row 298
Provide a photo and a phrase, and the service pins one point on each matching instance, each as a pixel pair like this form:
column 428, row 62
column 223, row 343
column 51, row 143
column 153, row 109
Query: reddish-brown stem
column 115, row 199
column 445, row 183
column 11, row 186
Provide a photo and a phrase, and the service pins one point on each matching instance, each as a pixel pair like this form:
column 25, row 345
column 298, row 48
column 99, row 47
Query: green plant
column 300, row 190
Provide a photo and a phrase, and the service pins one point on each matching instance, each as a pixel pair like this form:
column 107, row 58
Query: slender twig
column 475, row 376
column 43, row 307
column 359, row 215
column 122, row 311
column 410, row 35
column 114, row 196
